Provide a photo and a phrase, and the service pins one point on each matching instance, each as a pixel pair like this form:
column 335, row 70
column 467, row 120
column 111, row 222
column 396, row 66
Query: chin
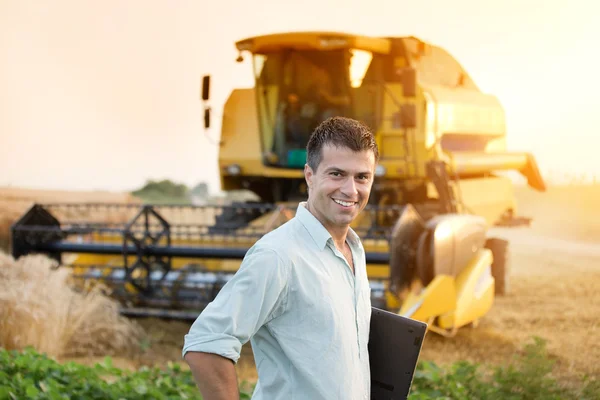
column 345, row 220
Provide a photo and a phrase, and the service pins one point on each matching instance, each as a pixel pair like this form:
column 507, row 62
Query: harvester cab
column 437, row 190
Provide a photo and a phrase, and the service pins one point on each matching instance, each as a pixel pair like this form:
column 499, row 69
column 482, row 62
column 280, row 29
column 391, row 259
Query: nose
column 349, row 188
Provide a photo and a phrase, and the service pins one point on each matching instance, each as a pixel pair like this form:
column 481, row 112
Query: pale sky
column 105, row 94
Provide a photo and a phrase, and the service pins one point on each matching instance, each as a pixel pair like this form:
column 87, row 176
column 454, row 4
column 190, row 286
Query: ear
column 308, row 175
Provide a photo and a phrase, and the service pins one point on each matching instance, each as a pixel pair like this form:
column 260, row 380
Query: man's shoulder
column 282, row 240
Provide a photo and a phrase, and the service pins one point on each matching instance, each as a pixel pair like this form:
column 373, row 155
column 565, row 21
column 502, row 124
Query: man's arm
column 214, row 375
column 250, row 299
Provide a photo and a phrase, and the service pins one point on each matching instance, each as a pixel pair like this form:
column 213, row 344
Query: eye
column 335, row 173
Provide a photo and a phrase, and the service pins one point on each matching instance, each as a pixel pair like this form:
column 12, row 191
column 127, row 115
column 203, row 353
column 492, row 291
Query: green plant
column 590, row 389
column 30, row 375
column 527, row 377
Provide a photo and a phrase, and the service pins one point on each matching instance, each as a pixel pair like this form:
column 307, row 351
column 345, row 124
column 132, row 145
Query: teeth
column 344, row 203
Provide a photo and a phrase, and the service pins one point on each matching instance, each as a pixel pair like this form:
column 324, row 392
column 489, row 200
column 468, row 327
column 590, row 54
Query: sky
column 104, row 95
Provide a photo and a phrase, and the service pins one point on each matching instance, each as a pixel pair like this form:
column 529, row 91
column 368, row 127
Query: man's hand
column 214, row 375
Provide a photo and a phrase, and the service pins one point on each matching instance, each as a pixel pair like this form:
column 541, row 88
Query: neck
column 338, row 233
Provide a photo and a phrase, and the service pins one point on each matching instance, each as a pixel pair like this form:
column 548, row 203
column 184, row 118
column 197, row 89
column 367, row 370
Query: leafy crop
column 527, row 377
column 30, row 375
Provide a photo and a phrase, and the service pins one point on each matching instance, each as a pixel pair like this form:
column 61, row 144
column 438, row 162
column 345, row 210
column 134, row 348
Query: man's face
column 340, row 188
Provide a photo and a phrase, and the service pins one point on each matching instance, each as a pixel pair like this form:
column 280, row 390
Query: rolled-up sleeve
column 251, row 298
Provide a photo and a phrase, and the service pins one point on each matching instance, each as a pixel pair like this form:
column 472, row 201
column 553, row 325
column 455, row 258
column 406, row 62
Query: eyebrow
column 337, row 169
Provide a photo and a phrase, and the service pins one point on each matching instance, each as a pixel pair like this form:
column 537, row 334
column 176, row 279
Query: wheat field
column 39, row 308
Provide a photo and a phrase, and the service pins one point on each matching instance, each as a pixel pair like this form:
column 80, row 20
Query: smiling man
column 301, row 295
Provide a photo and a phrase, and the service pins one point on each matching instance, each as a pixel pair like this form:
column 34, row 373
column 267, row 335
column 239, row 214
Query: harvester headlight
column 233, row 169
column 380, row 170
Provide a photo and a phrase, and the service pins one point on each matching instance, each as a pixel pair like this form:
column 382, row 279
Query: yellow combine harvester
column 436, row 191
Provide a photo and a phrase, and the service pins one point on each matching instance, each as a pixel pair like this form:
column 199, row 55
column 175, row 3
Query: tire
column 500, row 265
column 404, row 236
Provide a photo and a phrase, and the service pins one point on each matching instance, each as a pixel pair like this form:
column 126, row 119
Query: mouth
column 345, row 204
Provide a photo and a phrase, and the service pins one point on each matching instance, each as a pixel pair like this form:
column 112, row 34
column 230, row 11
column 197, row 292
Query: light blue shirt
column 306, row 315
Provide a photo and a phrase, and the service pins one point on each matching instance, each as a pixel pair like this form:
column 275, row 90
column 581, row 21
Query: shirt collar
column 317, row 231
column 353, row 238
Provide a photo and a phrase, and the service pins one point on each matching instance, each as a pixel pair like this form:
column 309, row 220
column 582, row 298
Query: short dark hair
column 340, row 132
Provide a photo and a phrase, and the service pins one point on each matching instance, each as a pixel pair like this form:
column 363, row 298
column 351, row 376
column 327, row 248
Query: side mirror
column 205, row 87
column 207, row 117
column 409, row 82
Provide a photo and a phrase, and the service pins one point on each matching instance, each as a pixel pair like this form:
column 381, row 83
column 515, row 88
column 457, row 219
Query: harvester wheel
column 501, row 264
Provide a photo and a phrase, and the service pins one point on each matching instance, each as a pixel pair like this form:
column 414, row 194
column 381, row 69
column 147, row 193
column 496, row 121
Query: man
column 321, row 101
column 301, row 295
column 330, row 102
column 318, row 103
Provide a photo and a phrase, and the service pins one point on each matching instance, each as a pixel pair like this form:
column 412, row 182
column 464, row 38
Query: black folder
column 394, row 346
